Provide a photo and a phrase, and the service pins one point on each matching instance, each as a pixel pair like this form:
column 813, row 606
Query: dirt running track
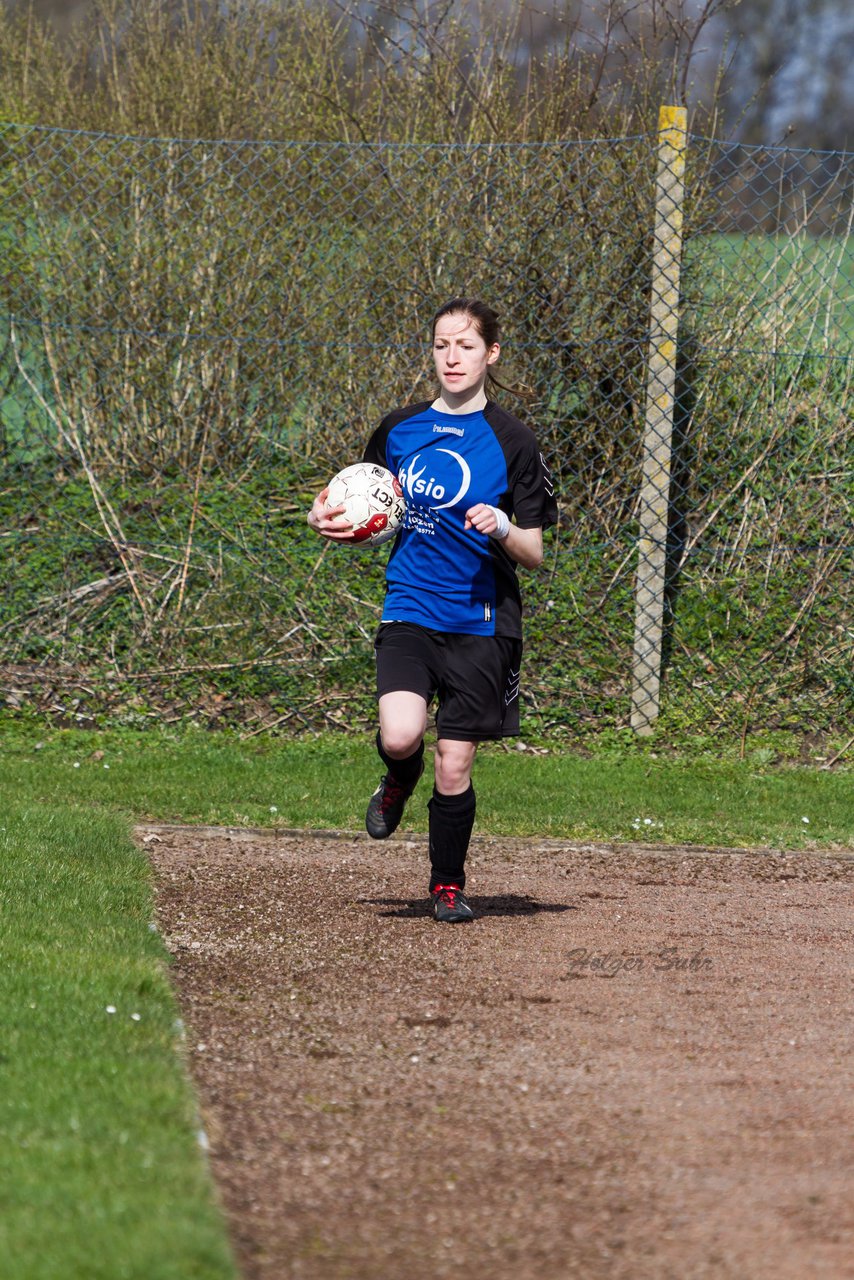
column 637, row 1063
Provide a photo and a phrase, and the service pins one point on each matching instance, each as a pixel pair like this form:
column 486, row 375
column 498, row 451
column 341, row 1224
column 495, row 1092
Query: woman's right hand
column 322, row 519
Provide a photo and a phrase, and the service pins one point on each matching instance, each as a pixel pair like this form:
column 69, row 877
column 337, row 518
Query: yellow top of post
column 673, row 122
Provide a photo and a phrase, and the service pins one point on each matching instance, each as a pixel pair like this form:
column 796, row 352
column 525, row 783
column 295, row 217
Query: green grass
column 217, row 778
column 801, row 285
column 693, row 802
column 101, row 1174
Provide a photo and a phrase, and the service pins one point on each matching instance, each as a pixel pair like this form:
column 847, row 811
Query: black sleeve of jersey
column 531, row 489
column 375, row 448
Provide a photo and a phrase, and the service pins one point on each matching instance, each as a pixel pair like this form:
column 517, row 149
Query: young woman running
column 478, row 496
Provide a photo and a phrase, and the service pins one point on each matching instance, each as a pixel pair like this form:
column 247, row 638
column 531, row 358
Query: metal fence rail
column 196, row 334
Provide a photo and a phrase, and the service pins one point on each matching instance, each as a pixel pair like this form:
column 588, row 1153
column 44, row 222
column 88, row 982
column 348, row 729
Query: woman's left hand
column 482, row 517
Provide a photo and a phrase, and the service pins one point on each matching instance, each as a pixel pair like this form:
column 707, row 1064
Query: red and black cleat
column 450, row 905
column 386, row 806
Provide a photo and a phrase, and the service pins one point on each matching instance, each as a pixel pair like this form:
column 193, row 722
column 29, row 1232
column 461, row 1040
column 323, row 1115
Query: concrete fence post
column 658, row 422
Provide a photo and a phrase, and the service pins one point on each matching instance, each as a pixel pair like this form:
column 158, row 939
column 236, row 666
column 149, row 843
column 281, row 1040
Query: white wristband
column 503, row 522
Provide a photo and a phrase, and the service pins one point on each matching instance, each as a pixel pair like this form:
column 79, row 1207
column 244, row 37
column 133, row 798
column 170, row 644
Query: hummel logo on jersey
column 547, row 477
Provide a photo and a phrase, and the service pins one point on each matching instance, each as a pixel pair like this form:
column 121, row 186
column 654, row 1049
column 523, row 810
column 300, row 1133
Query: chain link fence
column 195, row 335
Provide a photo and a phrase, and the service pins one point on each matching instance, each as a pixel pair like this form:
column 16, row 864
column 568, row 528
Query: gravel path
column 636, row 1063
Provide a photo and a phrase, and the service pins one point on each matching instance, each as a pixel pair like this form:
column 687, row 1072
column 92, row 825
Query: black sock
column 405, row 772
column 451, row 823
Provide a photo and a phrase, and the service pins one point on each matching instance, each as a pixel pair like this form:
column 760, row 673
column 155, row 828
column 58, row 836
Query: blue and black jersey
column 441, row 575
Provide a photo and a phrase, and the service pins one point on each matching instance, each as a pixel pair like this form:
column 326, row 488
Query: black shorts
column 475, row 678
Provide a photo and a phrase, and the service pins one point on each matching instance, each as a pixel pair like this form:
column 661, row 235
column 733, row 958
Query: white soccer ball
column 373, row 502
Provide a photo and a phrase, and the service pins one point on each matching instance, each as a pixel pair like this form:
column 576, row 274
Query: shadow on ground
column 503, row 905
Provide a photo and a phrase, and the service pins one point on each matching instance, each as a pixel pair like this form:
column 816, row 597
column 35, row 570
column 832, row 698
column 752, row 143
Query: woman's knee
column 403, row 719
column 453, row 765
column 400, row 741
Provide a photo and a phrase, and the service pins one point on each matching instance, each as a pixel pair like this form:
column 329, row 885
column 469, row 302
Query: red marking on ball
column 376, row 524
